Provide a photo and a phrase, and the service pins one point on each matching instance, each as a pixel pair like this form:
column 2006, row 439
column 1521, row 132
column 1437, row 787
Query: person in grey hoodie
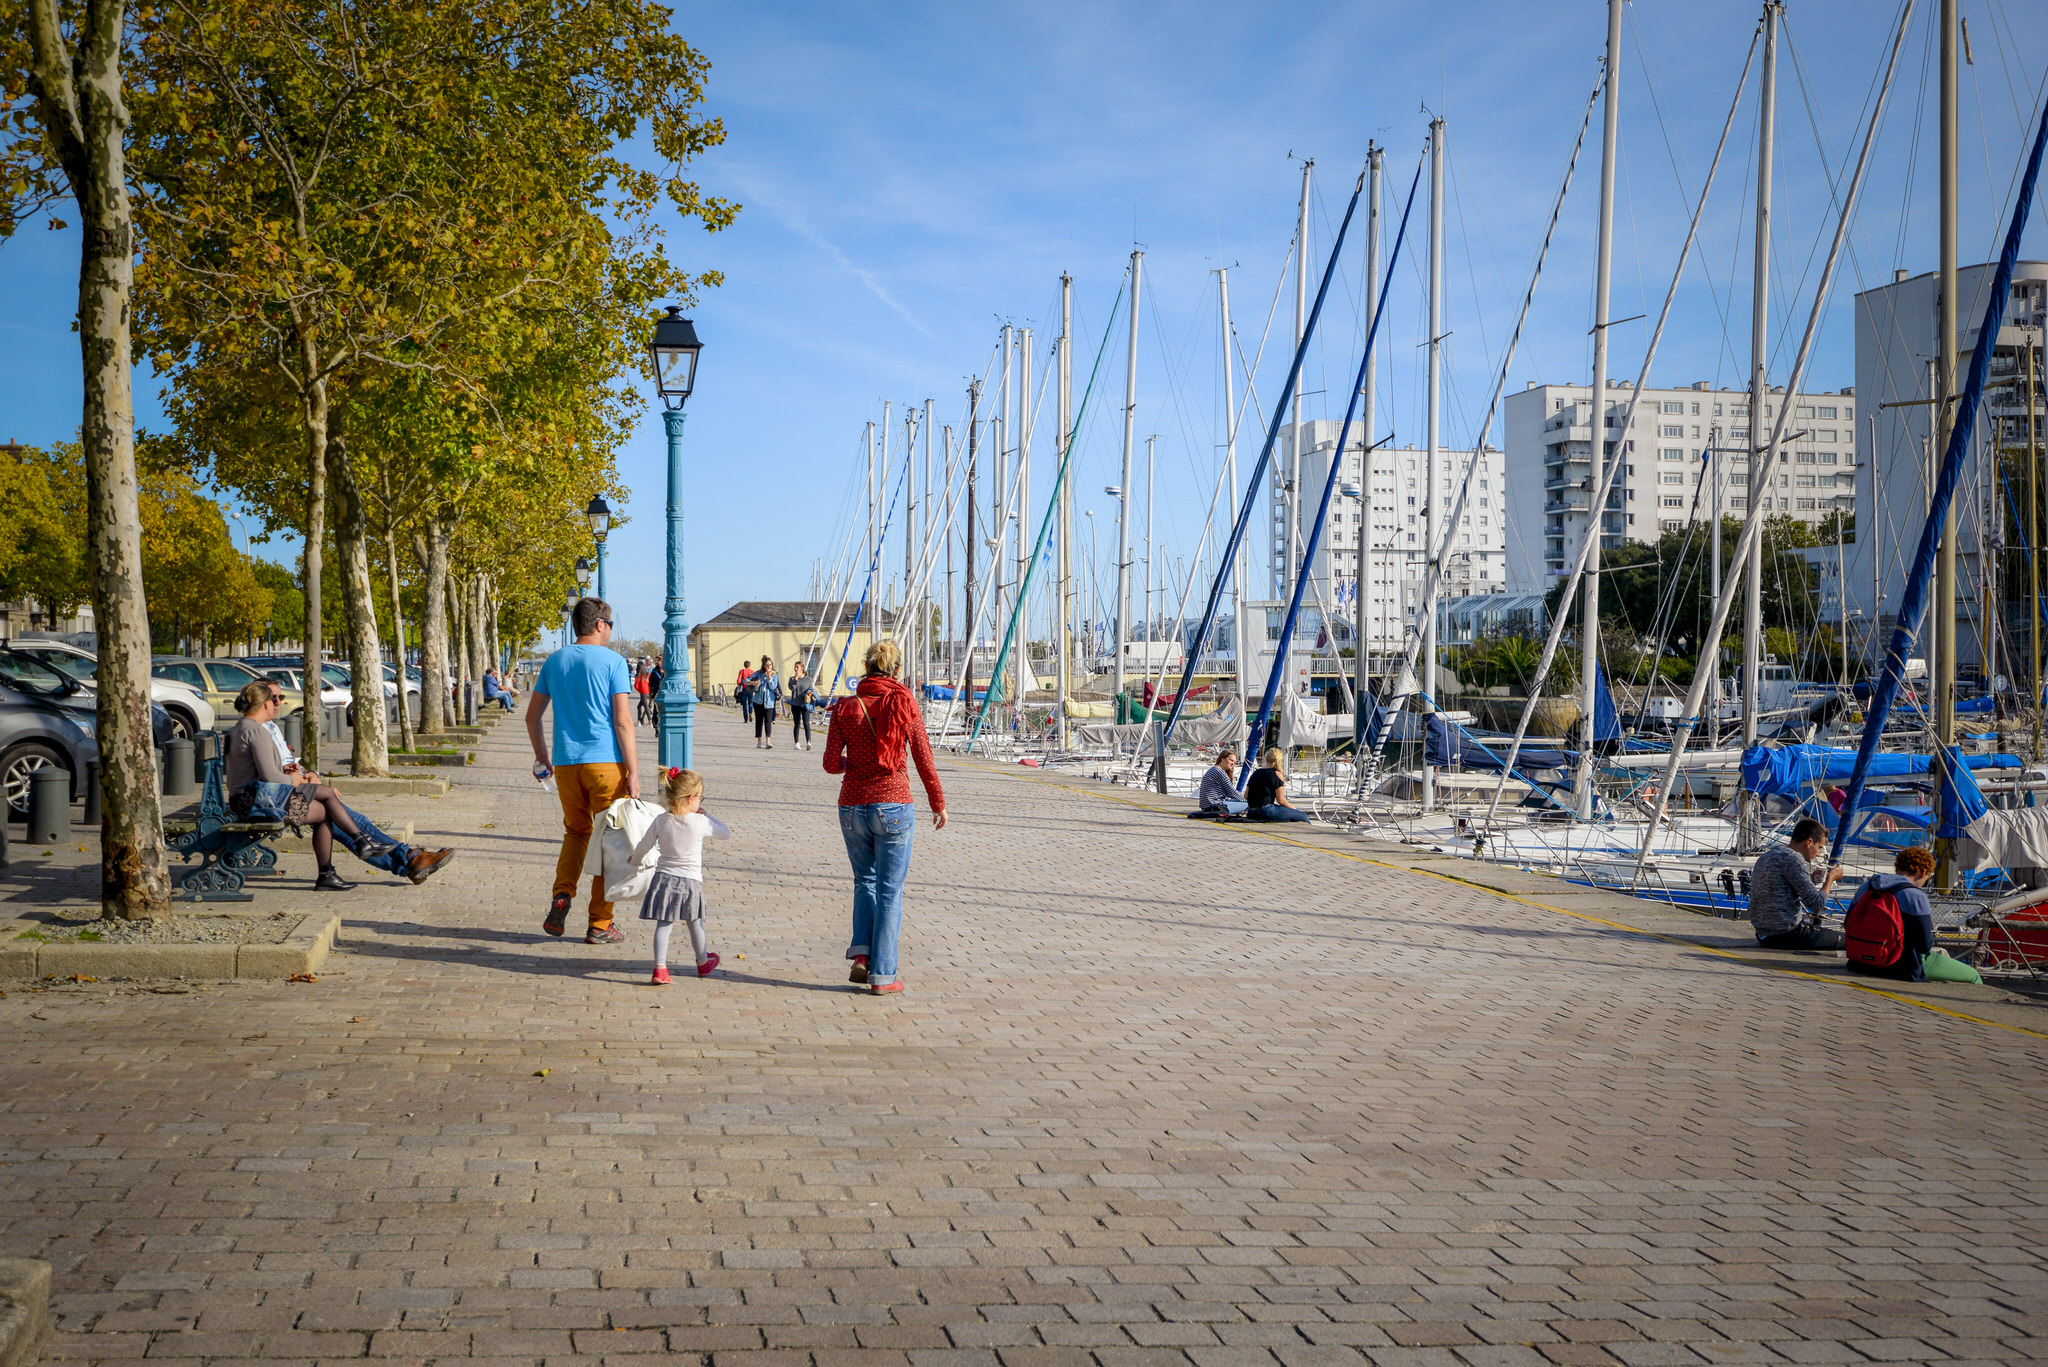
column 1913, row 867
column 1785, row 904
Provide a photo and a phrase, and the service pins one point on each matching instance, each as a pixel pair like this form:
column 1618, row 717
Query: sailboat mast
column 1239, row 644
column 870, row 559
column 999, row 481
column 1065, row 614
column 924, row 550
column 1748, row 832
column 1287, row 564
column 1596, row 516
column 1945, row 582
column 1710, row 651
column 971, row 536
column 1430, row 490
column 1150, row 464
column 2033, row 539
column 1123, row 500
column 1362, row 540
column 1023, row 516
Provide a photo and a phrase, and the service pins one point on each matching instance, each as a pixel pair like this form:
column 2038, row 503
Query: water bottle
column 544, row 775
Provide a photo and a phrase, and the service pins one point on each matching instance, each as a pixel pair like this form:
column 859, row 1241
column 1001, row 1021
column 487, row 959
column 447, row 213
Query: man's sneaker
column 426, row 863
column 884, row 989
column 330, row 881
column 558, row 916
column 710, row 965
column 660, row 977
column 860, row 969
column 603, row 935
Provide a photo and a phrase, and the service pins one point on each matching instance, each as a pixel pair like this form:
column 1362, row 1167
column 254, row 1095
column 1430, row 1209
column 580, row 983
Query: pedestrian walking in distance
column 872, row 738
column 801, row 696
column 767, row 696
column 677, row 892
column 742, row 690
column 592, row 758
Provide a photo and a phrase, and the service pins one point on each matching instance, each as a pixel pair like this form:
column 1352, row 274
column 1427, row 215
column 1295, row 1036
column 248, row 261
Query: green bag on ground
column 1940, row 968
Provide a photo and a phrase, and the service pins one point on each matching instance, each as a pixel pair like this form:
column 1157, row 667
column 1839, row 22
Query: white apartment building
column 1374, row 542
column 1667, row 479
column 1895, row 350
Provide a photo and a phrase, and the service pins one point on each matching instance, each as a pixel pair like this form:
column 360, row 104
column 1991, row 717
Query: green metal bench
column 229, row 851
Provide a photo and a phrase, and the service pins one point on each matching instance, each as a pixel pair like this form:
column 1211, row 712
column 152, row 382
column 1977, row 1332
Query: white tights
column 664, row 929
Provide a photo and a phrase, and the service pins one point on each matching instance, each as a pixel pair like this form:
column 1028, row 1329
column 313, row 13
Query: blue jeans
column 877, row 838
column 1273, row 811
column 394, row 862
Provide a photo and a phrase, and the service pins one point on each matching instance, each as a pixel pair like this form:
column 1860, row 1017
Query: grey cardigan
column 252, row 757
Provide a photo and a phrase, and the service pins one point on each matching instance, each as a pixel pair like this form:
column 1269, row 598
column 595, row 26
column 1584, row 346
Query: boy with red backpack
column 1890, row 925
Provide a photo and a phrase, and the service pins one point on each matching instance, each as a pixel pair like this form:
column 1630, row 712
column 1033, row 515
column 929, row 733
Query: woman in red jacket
column 867, row 741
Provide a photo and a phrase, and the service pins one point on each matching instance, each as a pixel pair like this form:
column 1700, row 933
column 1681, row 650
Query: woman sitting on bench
column 259, row 789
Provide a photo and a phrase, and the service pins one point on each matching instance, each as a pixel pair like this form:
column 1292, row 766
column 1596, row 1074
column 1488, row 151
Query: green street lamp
column 673, row 353
column 599, row 515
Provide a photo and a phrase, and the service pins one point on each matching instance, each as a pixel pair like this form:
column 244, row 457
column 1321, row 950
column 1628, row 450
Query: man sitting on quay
column 1785, row 904
column 592, row 760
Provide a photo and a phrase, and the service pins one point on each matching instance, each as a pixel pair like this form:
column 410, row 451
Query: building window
column 1740, row 434
column 1672, row 503
column 1738, row 504
column 1738, row 477
column 1806, row 458
column 1670, row 453
column 1672, row 477
column 1671, row 430
column 1827, row 458
column 1806, row 481
column 1674, row 408
column 1805, row 505
column 1824, row 412
column 1717, row 410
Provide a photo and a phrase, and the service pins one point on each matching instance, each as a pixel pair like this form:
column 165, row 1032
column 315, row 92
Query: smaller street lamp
column 568, row 616
column 599, row 515
column 583, row 572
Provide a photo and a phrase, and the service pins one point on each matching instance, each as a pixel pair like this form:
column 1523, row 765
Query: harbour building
column 1683, row 449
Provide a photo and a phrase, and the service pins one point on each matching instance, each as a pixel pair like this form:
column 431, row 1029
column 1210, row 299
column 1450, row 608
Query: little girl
column 677, row 893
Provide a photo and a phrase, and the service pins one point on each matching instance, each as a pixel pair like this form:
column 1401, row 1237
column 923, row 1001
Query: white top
column 285, row 758
column 681, row 839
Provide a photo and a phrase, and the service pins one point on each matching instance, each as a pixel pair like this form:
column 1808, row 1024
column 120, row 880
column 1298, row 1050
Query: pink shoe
column 704, row 970
column 886, row 989
column 660, row 976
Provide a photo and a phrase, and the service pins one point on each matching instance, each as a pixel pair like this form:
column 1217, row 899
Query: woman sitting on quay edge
column 259, row 788
column 1265, row 794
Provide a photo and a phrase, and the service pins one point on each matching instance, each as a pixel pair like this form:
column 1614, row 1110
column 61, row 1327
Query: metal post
column 1065, row 613
column 178, row 769
column 678, row 695
column 2033, row 541
column 1024, row 544
column 1286, row 567
column 49, row 806
column 600, row 585
column 1123, row 501
column 92, row 800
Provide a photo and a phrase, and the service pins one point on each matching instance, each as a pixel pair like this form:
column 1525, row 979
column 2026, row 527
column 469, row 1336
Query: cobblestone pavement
column 1158, row 1093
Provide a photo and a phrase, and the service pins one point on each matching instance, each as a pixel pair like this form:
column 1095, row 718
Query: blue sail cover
column 1962, row 801
column 1785, row 770
column 1445, row 744
column 1606, row 722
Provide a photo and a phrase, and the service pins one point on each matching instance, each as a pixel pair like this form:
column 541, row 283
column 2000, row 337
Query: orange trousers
column 586, row 790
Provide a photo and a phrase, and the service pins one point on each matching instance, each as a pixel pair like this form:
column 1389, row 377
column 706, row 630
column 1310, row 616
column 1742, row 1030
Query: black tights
column 799, row 720
column 324, row 813
column 764, row 722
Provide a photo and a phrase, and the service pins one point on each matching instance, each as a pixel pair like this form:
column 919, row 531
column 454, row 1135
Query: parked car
column 218, row 681
column 46, row 718
column 332, row 694
column 391, row 684
column 187, row 708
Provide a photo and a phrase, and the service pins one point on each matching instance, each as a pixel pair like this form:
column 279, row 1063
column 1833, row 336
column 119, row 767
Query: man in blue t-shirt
column 592, row 760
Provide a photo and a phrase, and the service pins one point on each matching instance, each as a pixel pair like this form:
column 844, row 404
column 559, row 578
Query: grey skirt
column 672, row 897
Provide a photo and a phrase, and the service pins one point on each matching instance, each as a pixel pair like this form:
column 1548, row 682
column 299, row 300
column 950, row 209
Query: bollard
column 469, row 704
column 1159, row 753
column 178, row 769
column 295, row 731
column 49, row 805
column 92, row 792
column 5, row 818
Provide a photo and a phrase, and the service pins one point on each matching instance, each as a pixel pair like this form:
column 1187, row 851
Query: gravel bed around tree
column 70, row 927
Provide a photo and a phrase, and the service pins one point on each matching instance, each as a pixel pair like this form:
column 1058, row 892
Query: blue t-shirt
column 581, row 680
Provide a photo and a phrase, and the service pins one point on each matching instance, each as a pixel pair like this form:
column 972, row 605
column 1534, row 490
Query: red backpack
column 1874, row 931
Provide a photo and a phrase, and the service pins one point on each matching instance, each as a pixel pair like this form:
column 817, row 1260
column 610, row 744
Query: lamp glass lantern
column 674, row 354
column 582, row 572
column 599, row 515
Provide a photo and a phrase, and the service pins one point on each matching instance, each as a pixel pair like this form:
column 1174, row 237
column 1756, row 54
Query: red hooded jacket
column 867, row 741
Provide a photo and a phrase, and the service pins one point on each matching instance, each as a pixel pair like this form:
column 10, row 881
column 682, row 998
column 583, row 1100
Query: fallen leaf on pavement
column 81, row 978
column 355, row 1020
column 247, row 1038
column 544, row 1072
column 303, row 978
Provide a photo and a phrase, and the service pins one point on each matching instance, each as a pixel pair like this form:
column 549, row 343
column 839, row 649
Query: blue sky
column 916, row 174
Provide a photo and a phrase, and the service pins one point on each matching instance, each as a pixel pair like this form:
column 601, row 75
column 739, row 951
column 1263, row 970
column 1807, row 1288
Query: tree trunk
column 497, row 640
column 80, row 105
column 371, row 754
column 315, row 405
column 405, row 737
column 458, row 599
column 434, row 630
column 479, row 642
